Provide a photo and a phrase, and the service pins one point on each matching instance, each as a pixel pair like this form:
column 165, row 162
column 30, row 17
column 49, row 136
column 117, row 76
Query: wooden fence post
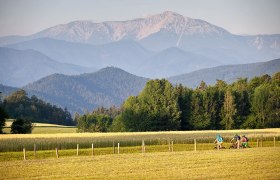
column 92, row 150
column 143, row 146
column 56, row 152
column 114, row 150
column 118, row 148
column 257, row 142
column 194, row 144
column 171, row 146
column 24, row 154
column 77, row 149
column 274, row 142
column 34, row 150
column 261, row 142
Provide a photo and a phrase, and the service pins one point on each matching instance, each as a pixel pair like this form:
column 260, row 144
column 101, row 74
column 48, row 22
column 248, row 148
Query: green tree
column 117, row 125
column 242, row 101
column 228, row 111
column 259, row 102
column 265, row 105
column 184, row 103
column 135, row 115
column 212, row 102
column 276, row 79
column 3, row 116
column 156, row 108
column 94, row 123
column 200, row 119
column 21, row 126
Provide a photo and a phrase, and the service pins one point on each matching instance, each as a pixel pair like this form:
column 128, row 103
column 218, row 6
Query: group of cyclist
column 237, row 142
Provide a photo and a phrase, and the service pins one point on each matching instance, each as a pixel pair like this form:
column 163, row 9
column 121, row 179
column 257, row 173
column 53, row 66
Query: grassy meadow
column 182, row 140
column 43, row 128
column 160, row 160
column 253, row 163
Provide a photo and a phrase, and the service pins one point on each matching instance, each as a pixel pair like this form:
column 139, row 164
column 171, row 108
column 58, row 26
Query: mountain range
column 229, row 73
column 20, row 67
column 161, row 45
column 111, row 86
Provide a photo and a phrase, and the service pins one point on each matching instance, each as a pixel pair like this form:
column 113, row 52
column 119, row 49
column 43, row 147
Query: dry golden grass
column 255, row 163
column 10, row 121
column 273, row 132
column 43, row 128
column 15, row 142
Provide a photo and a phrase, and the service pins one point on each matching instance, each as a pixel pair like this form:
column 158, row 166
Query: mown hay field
column 253, row 163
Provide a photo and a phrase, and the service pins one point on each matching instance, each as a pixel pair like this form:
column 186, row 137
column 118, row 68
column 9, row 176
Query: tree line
column 164, row 107
column 19, row 106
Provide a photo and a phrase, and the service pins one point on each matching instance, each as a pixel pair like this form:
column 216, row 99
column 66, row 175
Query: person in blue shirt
column 219, row 141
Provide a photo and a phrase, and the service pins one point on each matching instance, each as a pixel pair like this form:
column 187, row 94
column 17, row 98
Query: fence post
column 257, row 142
column 34, row 150
column 261, row 142
column 172, row 146
column 169, row 148
column 56, row 152
column 114, row 148
column 24, row 154
column 194, row 144
column 274, row 142
column 77, row 149
column 92, row 150
column 118, row 148
column 143, row 146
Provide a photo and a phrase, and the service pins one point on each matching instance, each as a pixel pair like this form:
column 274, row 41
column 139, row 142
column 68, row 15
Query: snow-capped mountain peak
column 137, row 29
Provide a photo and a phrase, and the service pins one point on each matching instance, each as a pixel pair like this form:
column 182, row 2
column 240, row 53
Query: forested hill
column 106, row 87
column 19, row 105
column 229, row 73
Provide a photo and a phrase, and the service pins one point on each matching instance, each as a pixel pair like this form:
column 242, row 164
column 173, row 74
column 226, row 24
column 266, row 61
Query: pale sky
column 25, row 17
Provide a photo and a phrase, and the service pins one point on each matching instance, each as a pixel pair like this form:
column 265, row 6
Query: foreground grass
column 45, row 154
column 11, row 156
column 255, row 163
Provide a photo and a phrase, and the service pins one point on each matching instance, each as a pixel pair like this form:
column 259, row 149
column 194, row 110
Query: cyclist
column 219, row 141
column 235, row 141
column 244, row 141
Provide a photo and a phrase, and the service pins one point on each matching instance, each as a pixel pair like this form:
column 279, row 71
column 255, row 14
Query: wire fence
column 13, row 149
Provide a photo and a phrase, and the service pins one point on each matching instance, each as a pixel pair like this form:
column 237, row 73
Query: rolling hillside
column 227, row 73
column 106, row 87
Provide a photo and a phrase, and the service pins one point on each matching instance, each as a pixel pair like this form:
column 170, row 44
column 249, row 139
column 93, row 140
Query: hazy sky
column 24, row 17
